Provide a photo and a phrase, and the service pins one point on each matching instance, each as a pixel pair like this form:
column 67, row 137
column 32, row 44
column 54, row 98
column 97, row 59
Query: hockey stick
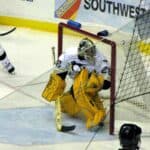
column 58, row 118
column 8, row 32
column 58, row 113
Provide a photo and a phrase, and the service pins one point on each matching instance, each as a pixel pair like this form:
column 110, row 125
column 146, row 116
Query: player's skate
column 8, row 66
column 5, row 61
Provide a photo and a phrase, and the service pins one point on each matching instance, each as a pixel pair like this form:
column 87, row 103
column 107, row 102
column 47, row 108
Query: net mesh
column 133, row 92
column 135, row 79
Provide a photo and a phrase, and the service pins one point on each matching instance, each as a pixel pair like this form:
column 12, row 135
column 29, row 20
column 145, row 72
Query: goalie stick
column 58, row 113
column 58, row 118
column 8, row 32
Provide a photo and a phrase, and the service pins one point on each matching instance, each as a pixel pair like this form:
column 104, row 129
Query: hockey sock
column 6, row 63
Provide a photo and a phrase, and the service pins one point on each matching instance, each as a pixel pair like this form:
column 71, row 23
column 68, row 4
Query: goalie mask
column 86, row 49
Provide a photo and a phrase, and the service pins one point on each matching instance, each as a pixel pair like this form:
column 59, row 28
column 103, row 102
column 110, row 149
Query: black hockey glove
column 106, row 84
column 63, row 75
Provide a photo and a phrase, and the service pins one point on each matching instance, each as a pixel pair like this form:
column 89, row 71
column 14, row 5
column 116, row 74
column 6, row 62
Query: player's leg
column 88, row 100
column 101, row 111
column 68, row 104
column 5, row 61
column 92, row 109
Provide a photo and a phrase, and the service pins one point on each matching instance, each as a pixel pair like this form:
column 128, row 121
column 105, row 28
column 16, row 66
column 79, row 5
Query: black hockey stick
column 67, row 128
column 8, row 32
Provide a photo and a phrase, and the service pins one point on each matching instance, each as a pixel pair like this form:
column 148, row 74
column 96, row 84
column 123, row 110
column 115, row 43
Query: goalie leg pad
column 96, row 120
column 94, row 84
column 100, row 114
column 54, row 88
column 68, row 105
column 80, row 88
column 90, row 104
column 95, row 115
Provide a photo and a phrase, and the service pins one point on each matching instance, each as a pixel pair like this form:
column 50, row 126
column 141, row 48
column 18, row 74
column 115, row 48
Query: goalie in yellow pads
column 90, row 72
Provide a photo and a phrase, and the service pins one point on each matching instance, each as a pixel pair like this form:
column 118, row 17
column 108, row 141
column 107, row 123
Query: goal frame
column 112, row 44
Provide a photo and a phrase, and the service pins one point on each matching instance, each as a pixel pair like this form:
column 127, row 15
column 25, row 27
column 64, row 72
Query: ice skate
column 8, row 66
column 6, row 62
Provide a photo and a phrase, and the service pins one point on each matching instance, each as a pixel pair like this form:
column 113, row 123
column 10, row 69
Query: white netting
column 132, row 99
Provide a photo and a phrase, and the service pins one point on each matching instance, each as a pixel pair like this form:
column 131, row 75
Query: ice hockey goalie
column 90, row 71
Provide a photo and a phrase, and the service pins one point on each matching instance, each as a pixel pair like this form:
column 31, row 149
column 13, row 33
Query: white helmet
column 86, row 49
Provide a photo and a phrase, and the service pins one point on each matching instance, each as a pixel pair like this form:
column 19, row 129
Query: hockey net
column 68, row 41
column 132, row 104
column 130, row 74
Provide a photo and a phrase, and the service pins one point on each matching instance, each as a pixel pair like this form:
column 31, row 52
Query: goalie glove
column 106, row 84
column 106, row 73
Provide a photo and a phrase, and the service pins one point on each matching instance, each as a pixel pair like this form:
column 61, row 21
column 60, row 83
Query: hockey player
column 5, row 61
column 90, row 72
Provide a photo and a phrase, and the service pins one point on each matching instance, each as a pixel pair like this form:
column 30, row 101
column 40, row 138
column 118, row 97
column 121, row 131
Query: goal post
column 111, row 44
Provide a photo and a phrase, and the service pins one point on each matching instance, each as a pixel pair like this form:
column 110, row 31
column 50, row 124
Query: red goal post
column 112, row 44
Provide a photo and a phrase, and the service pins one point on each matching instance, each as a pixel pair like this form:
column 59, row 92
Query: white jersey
column 100, row 64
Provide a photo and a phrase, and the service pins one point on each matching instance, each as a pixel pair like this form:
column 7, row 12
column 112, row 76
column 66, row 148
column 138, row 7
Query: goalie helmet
column 86, row 49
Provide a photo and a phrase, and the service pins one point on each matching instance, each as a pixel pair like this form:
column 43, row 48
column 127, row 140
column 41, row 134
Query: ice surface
column 26, row 122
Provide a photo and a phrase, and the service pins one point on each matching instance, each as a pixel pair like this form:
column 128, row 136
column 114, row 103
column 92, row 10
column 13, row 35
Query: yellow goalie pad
column 54, row 88
column 94, row 84
column 86, row 94
column 69, row 105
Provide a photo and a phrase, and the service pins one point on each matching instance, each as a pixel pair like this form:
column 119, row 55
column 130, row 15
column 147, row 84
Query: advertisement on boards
column 67, row 9
column 107, row 12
